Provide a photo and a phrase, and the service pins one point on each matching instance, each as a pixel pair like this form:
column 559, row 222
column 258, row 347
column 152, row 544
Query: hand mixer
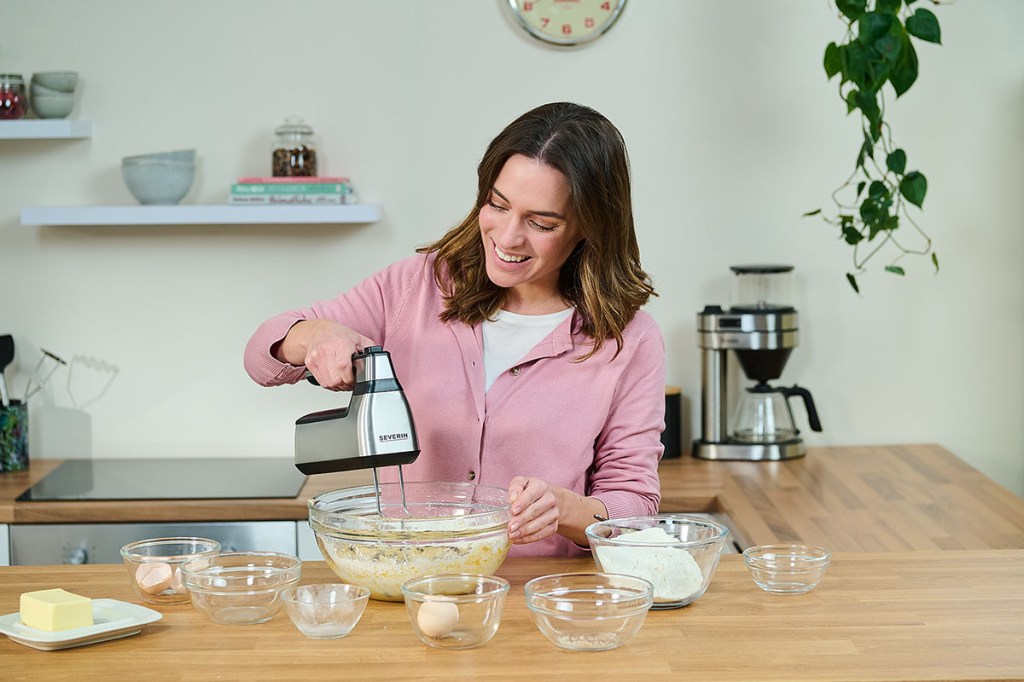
column 376, row 428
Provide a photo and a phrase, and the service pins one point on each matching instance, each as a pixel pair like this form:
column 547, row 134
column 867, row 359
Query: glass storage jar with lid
column 13, row 103
column 294, row 149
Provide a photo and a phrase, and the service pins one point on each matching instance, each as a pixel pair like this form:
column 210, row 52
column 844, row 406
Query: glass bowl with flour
column 677, row 554
column 435, row 527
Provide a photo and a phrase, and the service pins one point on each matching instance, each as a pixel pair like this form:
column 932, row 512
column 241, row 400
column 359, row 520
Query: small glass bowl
column 241, row 588
column 455, row 610
column 678, row 554
column 325, row 611
column 787, row 569
column 589, row 611
column 154, row 566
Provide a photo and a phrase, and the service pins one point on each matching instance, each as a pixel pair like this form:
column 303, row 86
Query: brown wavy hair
column 602, row 278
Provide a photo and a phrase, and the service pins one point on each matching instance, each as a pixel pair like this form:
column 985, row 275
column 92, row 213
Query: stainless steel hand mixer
column 375, row 430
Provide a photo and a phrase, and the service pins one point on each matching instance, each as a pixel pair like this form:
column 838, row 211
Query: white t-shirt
column 510, row 336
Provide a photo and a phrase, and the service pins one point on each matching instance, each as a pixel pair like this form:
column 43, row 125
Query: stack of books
column 315, row 191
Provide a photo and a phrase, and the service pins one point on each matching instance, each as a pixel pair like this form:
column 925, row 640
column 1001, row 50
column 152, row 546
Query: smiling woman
column 535, row 296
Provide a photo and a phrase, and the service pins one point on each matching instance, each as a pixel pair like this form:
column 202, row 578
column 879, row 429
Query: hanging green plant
column 878, row 50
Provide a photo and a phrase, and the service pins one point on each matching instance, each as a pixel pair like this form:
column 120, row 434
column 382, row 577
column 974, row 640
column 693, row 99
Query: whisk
column 30, row 389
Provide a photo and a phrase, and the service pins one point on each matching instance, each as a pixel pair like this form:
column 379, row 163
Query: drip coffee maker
column 375, row 429
column 760, row 328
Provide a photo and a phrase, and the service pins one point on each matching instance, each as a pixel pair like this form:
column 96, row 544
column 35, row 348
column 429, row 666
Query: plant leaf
column 935, row 262
column 853, row 9
column 853, row 282
column 895, row 269
column 897, row 161
column 924, row 25
column 874, row 25
column 913, row 187
column 855, row 64
column 892, row 6
column 904, row 72
column 877, row 190
column 860, row 188
column 833, row 60
column 852, row 235
column 810, row 213
column 851, row 100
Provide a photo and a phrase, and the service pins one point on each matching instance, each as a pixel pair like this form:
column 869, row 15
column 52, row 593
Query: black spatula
column 6, row 358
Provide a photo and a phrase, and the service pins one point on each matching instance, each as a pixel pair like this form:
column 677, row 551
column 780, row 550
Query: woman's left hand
column 535, row 512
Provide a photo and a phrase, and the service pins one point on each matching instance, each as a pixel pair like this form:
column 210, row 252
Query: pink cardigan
column 592, row 427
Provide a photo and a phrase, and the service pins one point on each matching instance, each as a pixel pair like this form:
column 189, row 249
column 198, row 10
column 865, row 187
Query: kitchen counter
column 864, row 498
column 926, row 615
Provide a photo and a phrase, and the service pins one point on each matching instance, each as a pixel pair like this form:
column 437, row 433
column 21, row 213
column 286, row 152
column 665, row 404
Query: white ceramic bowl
column 52, row 106
column 158, row 182
column 678, row 554
column 181, row 156
column 64, row 81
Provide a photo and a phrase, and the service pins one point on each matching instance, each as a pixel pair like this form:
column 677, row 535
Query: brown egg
column 154, row 577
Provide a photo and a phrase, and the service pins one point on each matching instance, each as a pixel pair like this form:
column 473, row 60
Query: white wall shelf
column 54, row 128
column 213, row 214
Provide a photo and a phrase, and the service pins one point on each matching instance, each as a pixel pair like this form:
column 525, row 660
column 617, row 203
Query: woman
column 517, row 336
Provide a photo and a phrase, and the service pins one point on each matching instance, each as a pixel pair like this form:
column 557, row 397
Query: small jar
column 294, row 149
column 13, row 103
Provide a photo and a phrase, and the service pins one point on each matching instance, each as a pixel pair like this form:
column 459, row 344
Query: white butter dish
column 112, row 619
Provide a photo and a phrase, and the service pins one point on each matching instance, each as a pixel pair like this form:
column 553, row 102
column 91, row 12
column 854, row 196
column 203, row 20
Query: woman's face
column 528, row 233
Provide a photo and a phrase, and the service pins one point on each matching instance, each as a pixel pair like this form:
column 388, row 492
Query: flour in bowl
column 675, row 575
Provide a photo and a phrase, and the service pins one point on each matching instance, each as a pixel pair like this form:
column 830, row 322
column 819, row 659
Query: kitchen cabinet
column 213, row 214
column 32, row 129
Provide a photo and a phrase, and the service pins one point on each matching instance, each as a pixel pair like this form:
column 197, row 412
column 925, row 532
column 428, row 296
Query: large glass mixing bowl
column 441, row 528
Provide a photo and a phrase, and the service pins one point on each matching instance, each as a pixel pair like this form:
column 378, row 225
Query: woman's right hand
column 325, row 347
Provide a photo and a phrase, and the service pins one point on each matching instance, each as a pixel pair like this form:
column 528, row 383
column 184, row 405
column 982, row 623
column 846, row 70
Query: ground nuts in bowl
column 440, row 528
column 678, row 554
column 154, row 566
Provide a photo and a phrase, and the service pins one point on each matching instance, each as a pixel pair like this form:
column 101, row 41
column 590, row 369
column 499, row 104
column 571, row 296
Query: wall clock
column 566, row 22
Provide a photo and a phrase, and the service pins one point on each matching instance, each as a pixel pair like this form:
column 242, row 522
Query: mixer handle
column 812, row 412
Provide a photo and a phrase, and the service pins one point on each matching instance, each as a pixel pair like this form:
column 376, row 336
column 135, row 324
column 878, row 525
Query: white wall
column 733, row 132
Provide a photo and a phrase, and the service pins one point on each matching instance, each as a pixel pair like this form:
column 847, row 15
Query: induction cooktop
column 168, row 479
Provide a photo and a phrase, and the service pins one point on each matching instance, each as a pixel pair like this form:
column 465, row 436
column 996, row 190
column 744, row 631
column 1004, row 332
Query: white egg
column 437, row 618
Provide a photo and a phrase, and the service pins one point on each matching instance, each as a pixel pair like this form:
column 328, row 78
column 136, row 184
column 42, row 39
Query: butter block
column 55, row 610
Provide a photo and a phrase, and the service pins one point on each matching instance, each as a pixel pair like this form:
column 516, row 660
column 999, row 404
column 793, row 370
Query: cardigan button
column 516, row 371
column 472, row 475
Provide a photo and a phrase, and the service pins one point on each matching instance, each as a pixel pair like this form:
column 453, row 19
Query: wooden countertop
column 865, row 498
column 928, row 615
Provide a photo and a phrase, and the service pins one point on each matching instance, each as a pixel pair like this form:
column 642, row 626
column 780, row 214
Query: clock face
column 566, row 22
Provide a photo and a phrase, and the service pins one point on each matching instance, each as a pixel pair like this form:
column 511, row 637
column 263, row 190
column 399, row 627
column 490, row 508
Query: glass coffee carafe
column 763, row 414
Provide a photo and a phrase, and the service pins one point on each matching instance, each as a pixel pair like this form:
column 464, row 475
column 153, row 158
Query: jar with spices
column 13, row 103
column 294, row 149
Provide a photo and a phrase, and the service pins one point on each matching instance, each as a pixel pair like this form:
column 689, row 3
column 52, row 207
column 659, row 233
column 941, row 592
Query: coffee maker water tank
column 762, row 288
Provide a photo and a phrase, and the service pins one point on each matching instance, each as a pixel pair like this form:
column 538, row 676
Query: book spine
column 300, row 179
column 293, row 199
column 296, row 188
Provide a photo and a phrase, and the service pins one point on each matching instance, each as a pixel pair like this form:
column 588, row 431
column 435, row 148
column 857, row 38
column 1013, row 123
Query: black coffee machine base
column 749, row 452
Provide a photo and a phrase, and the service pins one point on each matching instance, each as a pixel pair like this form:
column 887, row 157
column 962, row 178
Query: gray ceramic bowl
column 62, row 81
column 180, row 156
column 38, row 89
column 52, row 106
column 158, row 182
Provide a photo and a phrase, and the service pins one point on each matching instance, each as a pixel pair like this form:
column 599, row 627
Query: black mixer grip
column 311, row 379
column 812, row 412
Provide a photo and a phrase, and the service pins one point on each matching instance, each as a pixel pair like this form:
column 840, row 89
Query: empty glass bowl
column 326, row 611
column 241, row 588
column 154, row 566
column 787, row 569
column 589, row 611
column 678, row 554
column 455, row 611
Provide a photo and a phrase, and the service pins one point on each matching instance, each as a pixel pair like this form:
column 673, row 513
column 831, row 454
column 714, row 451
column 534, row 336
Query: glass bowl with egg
column 435, row 528
column 455, row 611
column 678, row 554
column 154, row 566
